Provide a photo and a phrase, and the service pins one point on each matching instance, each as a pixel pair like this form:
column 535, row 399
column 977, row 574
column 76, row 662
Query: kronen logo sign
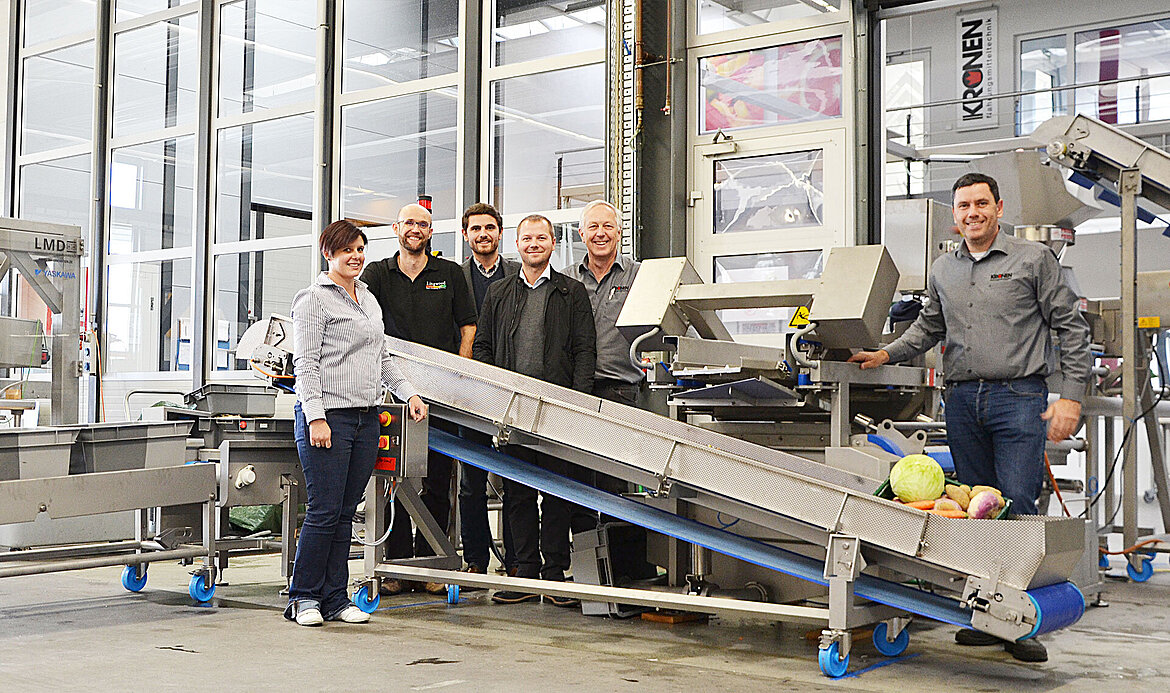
column 975, row 64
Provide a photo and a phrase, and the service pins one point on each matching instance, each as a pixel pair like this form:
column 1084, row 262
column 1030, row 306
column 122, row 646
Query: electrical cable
column 1154, row 405
column 1055, row 487
column 97, row 349
column 1131, row 549
column 389, row 523
column 1125, row 439
column 265, row 373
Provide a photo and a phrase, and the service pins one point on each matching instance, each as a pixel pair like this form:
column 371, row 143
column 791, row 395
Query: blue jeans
column 997, row 437
column 335, row 479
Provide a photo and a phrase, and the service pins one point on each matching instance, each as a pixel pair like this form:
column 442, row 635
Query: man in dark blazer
column 482, row 229
column 540, row 324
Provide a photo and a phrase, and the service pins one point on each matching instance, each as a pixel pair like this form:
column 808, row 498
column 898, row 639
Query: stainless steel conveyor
column 1012, row 574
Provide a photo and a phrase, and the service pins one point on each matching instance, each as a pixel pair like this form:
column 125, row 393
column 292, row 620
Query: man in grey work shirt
column 607, row 275
column 994, row 302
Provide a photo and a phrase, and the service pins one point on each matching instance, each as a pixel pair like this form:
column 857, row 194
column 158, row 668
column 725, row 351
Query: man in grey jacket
column 483, row 227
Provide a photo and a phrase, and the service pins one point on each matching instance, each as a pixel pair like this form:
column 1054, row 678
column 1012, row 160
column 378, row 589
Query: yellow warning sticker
column 800, row 319
column 1145, row 323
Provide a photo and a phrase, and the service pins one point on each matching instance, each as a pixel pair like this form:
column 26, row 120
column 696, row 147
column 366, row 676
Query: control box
column 402, row 444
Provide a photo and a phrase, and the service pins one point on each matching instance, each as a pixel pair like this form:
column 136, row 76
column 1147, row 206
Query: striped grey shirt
column 608, row 296
column 996, row 316
column 338, row 345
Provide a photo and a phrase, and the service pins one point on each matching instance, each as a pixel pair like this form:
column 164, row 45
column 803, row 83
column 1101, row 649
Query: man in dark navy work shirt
column 995, row 302
column 483, row 227
column 424, row 299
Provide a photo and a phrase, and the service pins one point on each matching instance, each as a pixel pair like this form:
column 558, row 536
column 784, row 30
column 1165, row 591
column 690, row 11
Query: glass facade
column 264, row 166
column 399, row 129
column 526, row 31
column 155, row 76
column 1129, row 53
column 58, row 99
column 773, row 191
column 725, row 15
column 1043, row 67
column 396, row 149
column 267, row 54
column 45, row 20
column 548, row 139
column 152, row 196
column 395, row 41
column 781, row 85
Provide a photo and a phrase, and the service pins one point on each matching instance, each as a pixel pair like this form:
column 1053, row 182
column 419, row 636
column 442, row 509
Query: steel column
column 204, row 211
column 326, row 77
column 1129, row 186
column 471, row 95
column 99, row 163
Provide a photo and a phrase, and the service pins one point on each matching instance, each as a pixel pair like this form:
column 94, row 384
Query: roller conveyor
column 1012, row 574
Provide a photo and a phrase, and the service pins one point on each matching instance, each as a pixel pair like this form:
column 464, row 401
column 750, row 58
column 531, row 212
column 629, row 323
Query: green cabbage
column 917, row 478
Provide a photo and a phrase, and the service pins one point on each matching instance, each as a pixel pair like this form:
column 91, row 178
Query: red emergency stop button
column 384, row 418
column 243, row 424
column 383, row 442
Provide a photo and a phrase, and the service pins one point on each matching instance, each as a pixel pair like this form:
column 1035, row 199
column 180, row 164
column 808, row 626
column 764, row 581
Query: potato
column 959, row 495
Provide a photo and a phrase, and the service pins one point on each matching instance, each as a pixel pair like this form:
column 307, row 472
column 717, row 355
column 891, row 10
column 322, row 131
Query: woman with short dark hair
column 338, row 343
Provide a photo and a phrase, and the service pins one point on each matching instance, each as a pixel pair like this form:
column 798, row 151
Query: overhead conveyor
column 1101, row 151
column 1007, row 578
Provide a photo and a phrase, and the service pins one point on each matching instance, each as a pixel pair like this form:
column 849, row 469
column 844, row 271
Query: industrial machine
column 810, row 532
column 810, row 525
column 1120, row 168
column 93, row 469
column 48, row 257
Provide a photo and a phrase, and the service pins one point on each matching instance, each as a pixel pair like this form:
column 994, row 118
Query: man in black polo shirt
column 424, row 299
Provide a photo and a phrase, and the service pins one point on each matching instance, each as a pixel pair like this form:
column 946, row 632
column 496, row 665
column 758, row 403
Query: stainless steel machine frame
column 29, row 247
column 256, row 463
column 79, row 495
column 828, row 512
column 1139, row 169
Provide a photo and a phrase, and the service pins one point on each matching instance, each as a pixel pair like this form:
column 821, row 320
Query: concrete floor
column 81, row 630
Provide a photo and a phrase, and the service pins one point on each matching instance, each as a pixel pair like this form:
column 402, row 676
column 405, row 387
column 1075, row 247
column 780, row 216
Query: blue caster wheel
column 198, row 590
column 890, row 649
column 1103, row 562
column 1144, row 574
column 832, row 664
column 364, row 601
column 452, row 594
column 130, row 579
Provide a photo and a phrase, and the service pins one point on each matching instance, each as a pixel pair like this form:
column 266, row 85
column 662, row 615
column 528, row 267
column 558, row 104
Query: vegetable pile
column 917, row 481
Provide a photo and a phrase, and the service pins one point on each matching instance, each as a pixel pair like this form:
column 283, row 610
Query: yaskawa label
column 975, row 73
column 56, row 274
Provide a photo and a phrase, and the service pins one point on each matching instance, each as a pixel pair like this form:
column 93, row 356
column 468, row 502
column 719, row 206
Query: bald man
column 424, row 299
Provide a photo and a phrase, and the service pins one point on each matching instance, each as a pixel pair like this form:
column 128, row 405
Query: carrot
column 922, row 505
column 957, row 514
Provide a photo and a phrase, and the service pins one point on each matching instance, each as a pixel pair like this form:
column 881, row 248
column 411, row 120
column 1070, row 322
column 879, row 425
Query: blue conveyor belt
column 1059, row 606
column 874, row 589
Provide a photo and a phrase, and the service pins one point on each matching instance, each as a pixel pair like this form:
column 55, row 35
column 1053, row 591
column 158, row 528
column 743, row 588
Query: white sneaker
column 351, row 614
column 310, row 617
